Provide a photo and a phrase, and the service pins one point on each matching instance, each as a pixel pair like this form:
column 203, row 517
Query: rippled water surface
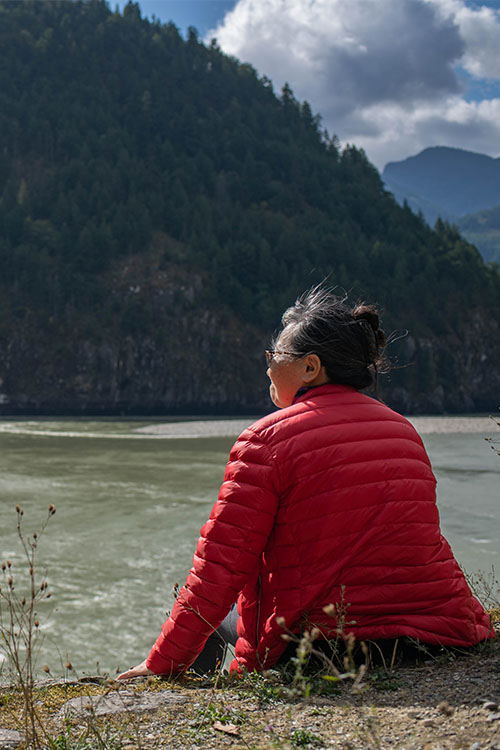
column 132, row 496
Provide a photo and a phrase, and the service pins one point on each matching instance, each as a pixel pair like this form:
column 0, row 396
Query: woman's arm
column 227, row 556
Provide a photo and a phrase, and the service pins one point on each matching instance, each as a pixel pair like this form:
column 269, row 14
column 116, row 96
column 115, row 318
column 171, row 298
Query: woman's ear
column 312, row 368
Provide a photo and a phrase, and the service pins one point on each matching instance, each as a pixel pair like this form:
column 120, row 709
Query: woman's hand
column 139, row 671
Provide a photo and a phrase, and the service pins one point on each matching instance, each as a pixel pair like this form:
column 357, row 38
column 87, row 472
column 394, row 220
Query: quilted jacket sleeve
column 227, row 555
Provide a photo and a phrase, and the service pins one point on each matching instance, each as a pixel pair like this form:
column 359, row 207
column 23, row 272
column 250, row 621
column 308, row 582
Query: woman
column 330, row 500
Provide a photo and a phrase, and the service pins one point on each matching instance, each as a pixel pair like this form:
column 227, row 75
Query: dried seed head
column 286, row 637
column 315, row 633
column 68, row 665
column 10, row 581
column 46, row 668
column 329, row 610
column 48, row 595
column 350, row 641
column 4, row 566
column 36, row 623
column 52, row 509
column 18, row 509
column 280, row 621
column 23, row 601
column 9, row 564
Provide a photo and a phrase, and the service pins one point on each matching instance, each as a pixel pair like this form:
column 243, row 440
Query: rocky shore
column 443, row 703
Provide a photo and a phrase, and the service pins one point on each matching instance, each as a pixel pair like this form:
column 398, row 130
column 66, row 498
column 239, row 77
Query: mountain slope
column 160, row 206
column 483, row 230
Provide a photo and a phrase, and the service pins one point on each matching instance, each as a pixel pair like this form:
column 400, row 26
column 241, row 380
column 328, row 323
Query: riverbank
column 443, row 703
column 425, row 425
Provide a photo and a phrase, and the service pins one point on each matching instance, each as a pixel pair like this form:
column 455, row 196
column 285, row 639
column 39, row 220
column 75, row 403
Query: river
column 131, row 497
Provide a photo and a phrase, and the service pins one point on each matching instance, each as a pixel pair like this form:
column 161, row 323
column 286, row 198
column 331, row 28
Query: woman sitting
column 328, row 501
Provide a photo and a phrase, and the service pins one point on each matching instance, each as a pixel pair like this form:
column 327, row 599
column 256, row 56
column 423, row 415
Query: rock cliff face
column 186, row 356
column 199, row 358
column 469, row 359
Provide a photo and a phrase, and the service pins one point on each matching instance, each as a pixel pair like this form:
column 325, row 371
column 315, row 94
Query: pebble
column 493, row 717
column 490, row 706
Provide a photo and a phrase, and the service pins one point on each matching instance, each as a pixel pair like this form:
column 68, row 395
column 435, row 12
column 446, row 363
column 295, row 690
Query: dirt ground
column 439, row 704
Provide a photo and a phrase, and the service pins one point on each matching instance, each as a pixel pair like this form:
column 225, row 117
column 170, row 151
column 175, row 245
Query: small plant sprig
column 342, row 645
column 494, row 443
column 20, row 636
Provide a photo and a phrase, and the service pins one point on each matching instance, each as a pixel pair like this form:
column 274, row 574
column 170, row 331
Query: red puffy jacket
column 331, row 500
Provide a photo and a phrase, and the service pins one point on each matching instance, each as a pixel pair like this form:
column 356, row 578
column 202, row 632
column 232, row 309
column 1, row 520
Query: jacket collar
column 305, row 393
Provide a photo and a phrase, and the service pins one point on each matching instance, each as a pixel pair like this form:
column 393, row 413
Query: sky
column 390, row 76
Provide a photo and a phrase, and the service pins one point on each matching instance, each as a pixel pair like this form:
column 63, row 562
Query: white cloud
column 481, row 32
column 398, row 133
column 381, row 72
column 479, row 27
column 346, row 50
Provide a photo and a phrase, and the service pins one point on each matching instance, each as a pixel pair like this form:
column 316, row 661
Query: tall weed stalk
column 21, row 593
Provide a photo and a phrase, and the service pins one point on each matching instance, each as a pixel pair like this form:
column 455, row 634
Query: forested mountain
column 160, row 205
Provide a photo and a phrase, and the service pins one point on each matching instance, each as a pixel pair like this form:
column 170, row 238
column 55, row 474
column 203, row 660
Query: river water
column 131, row 497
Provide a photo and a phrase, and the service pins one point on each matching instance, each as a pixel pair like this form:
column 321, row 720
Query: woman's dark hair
column 348, row 340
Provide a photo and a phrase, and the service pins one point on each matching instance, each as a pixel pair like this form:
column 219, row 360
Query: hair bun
column 368, row 314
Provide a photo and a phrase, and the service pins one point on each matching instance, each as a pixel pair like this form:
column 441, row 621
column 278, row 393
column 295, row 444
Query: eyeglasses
column 271, row 353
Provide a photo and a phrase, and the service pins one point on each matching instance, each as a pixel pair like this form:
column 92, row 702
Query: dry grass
column 439, row 703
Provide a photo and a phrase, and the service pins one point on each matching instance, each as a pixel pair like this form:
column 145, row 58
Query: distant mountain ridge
column 450, row 183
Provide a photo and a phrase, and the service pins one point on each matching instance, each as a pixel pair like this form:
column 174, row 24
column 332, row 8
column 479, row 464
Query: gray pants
column 214, row 651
